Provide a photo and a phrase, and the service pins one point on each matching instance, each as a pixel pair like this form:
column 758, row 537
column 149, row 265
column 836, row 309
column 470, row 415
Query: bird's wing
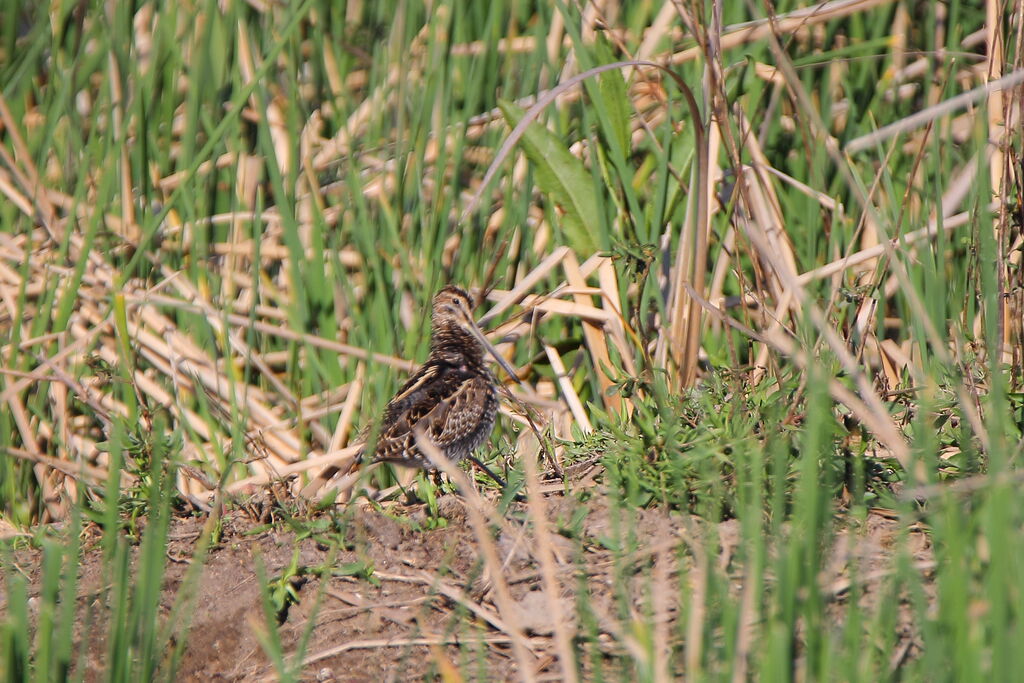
column 413, row 395
column 445, row 416
column 459, row 415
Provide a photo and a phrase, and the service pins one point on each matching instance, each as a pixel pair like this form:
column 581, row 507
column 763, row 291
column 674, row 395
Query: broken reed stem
column 545, row 556
column 401, row 642
column 478, row 512
column 452, row 593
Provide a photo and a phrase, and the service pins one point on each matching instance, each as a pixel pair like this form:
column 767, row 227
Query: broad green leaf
column 562, row 177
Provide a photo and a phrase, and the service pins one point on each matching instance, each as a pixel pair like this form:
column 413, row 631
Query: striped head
column 455, row 332
column 452, row 305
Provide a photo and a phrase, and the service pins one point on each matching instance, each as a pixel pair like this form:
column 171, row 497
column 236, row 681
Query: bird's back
column 454, row 404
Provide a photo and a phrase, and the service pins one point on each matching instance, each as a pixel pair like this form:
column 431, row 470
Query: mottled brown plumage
column 451, row 397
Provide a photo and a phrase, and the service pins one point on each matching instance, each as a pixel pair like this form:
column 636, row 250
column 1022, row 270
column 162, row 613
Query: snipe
column 450, row 400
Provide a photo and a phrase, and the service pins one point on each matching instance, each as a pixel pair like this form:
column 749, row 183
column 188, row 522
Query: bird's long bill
column 509, row 370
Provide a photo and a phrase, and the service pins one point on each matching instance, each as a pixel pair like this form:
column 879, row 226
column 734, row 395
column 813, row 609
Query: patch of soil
column 430, row 604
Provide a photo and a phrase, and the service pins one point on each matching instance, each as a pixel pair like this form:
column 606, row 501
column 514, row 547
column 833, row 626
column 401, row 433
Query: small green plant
column 283, row 591
column 150, row 457
column 360, row 569
column 280, row 593
column 674, row 449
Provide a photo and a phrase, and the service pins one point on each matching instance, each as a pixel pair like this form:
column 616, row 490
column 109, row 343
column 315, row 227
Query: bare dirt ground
column 430, row 608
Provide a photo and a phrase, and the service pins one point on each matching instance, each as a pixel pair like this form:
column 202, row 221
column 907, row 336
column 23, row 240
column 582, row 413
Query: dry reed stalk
column 29, row 179
column 513, row 45
column 866, row 255
column 281, row 446
column 547, row 407
column 341, row 456
column 61, row 429
column 348, row 257
column 233, row 338
column 998, row 133
column 777, row 325
column 800, row 19
column 16, row 198
column 244, row 323
column 272, row 115
column 617, row 325
column 572, row 399
column 925, row 116
column 659, row 29
column 826, row 202
column 56, row 508
column 148, row 387
column 348, row 409
column 82, row 340
column 746, row 626
column 764, row 196
column 103, row 404
column 600, row 324
column 586, row 312
column 130, row 228
column 697, row 604
column 935, row 338
column 678, row 348
column 896, row 359
column 838, row 347
column 75, row 469
column 340, row 435
column 708, row 174
column 721, row 269
column 881, row 425
column 593, row 334
column 479, row 512
column 524, row 285
column 664, row 599
column 250, row 174
column 171, row 182
column 402, row 642
column 452, row 593
column 765, row 217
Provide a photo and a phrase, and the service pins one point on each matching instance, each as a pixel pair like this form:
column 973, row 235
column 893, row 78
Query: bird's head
column 454, row 307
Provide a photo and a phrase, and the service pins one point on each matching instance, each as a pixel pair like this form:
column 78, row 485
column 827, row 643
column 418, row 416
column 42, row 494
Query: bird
column 450, row 400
